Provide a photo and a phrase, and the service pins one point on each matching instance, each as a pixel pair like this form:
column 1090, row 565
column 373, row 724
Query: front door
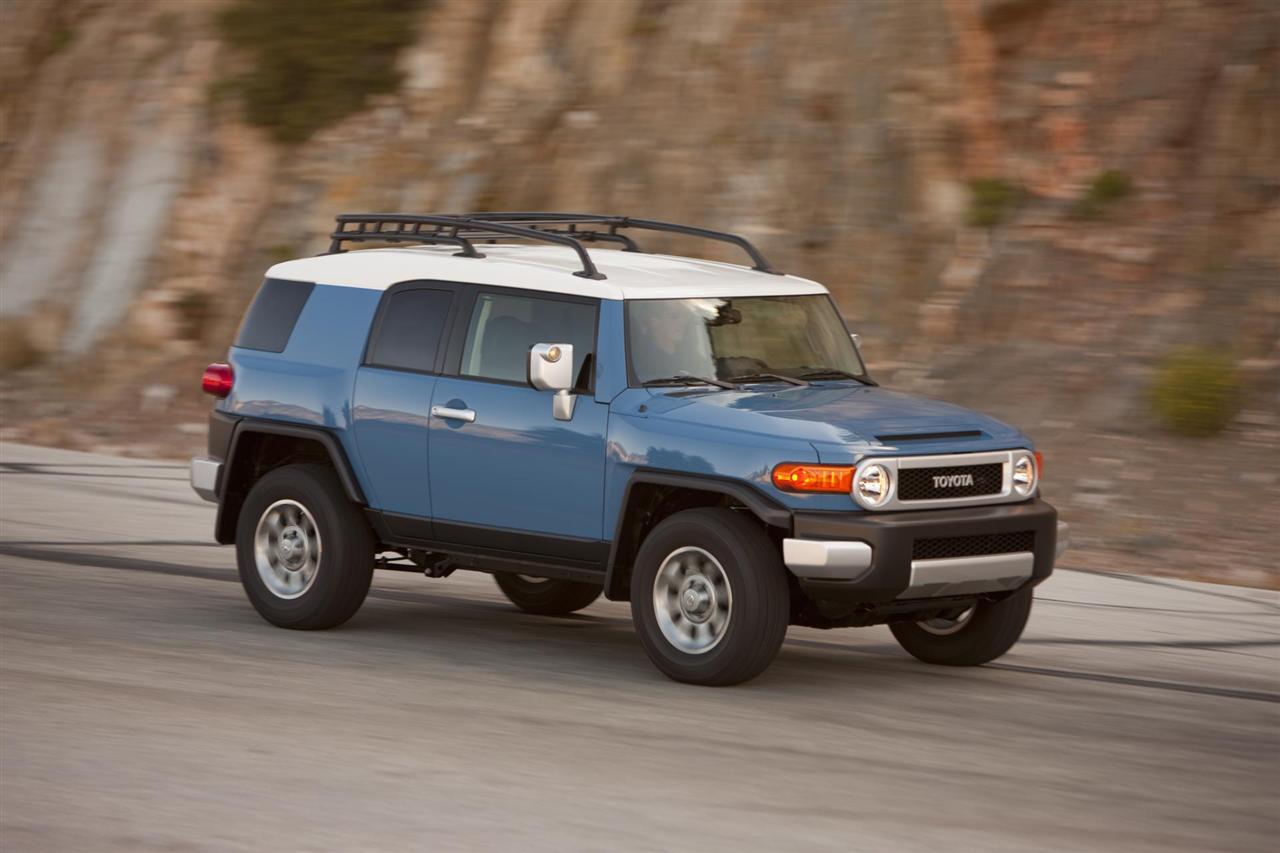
column 505, row 474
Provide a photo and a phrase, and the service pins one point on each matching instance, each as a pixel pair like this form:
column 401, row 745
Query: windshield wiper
column 687, row 379
column 835, row 373
column 756, row 377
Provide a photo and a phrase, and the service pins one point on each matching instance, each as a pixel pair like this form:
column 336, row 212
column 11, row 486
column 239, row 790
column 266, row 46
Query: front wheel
column 546, row 596
column 709, row 597
column 970, row 637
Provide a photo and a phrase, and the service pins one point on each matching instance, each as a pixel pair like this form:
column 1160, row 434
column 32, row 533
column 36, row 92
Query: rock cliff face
column 1023, row 205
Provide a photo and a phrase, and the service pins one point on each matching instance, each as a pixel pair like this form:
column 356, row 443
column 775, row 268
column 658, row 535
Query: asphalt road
column 145, row 706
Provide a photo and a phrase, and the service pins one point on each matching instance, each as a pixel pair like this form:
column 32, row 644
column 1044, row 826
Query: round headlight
column 1024, row 474
column 873, row 485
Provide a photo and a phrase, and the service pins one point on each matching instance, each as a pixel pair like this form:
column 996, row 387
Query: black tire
column 344, row 567
column 547, row 596
column 989, row 633
column 757, row 582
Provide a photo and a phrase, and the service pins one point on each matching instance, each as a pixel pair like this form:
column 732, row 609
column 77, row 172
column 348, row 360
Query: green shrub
column 1196, row 391
column 990, row 201
column 310, row 64
column 1104, row 190
column 60, row 39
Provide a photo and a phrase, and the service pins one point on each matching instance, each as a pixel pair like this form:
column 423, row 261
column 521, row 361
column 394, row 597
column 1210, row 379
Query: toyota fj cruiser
column 699, row 438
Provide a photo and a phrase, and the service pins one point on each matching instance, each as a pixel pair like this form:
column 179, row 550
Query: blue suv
column 698, row 438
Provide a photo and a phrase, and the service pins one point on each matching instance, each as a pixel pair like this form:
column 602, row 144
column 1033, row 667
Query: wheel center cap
column 293, row 548
column 696, row 599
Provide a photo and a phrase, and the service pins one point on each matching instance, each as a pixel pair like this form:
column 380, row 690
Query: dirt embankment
column 1026, row 206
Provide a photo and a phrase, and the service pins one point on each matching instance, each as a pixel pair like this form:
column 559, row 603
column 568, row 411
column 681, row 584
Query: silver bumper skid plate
column 816, row 559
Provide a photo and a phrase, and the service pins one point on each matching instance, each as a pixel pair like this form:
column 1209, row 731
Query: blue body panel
column 311, row 382
column 641, row 435
column 742, row 435
column 611, row 352
column 390, row 419
column 516, row 468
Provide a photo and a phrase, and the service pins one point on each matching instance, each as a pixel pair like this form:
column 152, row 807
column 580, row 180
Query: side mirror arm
column 562, row 405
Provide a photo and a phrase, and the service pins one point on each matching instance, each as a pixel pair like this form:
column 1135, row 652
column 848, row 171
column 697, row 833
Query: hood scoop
column 952, row 435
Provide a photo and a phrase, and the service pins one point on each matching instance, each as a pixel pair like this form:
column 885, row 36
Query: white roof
column 628, row 275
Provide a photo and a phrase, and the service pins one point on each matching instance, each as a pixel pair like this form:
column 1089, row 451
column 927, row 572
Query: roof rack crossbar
column 457, row 230
column 759, row 262
column 339, row 237
column 628, row 245
column 363, row 234
column 585, row 236
column 551, row 221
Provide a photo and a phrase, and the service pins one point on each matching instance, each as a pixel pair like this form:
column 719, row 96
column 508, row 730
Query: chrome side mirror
column 551, row 369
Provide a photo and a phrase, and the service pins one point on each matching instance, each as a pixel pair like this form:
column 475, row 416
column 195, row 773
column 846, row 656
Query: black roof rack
column 455, row 230
column 565, row 229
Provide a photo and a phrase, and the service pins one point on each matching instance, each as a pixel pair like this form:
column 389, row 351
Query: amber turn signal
column 1039, row 464
column 802, row 477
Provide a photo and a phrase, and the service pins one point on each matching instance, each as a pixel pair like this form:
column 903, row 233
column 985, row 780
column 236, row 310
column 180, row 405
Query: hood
column 837, row 414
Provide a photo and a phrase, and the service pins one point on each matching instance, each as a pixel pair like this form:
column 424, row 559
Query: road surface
column 145, row 706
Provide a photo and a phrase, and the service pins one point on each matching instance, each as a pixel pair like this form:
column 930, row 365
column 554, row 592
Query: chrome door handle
column 465, row 415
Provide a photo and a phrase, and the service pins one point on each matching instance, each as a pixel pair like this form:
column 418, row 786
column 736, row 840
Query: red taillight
column 1039, row 464
column 217, row 380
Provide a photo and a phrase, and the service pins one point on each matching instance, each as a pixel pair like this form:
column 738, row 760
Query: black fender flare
column 225, row 526
column 761, row 505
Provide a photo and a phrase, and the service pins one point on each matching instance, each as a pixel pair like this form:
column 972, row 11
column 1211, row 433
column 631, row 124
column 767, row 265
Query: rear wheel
column 709, row 597
column 969, row 637
column 547, row 596
column 304, row 551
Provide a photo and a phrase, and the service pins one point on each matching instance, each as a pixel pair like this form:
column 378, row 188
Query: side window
column 407, row 332
column 274, row 312
column 504, row 327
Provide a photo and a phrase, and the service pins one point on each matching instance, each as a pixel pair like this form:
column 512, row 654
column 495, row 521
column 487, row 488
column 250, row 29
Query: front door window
column 504, row 327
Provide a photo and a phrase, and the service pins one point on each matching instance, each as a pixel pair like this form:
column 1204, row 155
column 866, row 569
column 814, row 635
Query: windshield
column 733, row 339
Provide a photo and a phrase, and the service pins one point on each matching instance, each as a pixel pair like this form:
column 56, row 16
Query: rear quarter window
column 273, row 314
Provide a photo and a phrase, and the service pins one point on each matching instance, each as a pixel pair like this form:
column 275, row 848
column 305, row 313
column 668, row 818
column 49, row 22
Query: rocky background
column 1064, row 212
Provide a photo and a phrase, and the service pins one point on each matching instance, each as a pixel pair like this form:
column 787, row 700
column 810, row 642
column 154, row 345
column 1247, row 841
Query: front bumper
column 869, row 557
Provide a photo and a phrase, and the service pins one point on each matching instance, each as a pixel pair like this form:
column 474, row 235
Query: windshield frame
column 634, row 382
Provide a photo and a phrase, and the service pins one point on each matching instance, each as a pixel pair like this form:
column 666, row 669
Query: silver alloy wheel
column 286, row 549
column 943, row 627
column 692, row 600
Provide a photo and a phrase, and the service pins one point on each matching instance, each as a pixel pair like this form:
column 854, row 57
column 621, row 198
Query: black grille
column 918, row 484
column 973, row 546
